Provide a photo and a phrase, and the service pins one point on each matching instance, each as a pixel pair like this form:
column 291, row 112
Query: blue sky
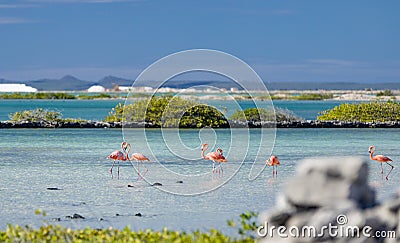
column 282, row 40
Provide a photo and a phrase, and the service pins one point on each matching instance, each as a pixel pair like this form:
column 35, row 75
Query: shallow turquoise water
column 84, row 109
column 74, row 160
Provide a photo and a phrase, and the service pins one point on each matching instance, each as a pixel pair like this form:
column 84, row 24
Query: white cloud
column 80, row 1
column 260, row 11
column 336, row 62
column 15, row 20
column 17, row 6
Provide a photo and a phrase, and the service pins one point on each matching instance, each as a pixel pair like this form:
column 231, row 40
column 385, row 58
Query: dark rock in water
column 101, row 219
column 129, row 185
column 179, row 182
column 68, row 217
column 56, row 219
column 157, row 184
column 138, row 215
column 117, row 214
column 79, row 204
column 53, row 188
column 77, row 216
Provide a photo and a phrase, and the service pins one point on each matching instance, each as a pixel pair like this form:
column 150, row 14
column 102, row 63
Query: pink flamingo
column 138, row 157
column 213, row 156
column 274, row 162
column 221, row 159
column 119, row 155
column 381, row 159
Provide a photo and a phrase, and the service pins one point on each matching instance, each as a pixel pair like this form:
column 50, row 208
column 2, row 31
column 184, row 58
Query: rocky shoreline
column 232, row 124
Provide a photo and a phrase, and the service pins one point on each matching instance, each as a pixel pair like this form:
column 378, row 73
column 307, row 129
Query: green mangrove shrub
column 247, row 225
column 312, row 96
column 363, row 112
column 385, row 93
column 40, row 115
column 36, row 115
column 261, row 114
column 201, row 116
column 168, row 112
column 94, row 96
column 40, row 95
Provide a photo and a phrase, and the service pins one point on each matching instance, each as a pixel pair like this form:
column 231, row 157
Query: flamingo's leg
column 387, row 176
column 112, row 177
column 276, row 172
column 222, row 171
column 381, row 168
column 118, row 170
column 138, row 169
column 213, row 169
column 147, row 170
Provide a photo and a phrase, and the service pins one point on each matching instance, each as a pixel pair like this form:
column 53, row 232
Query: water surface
column 74, row 160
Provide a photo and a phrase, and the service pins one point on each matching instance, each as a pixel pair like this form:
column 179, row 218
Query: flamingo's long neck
column 371, row 155
column 203, row 150
column 127, row 153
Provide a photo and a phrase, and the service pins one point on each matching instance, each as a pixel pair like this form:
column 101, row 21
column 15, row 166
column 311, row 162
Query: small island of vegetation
column 177, row 112
column 168, row 112
column 363, row 112
column 260, row 115
column 40, row 115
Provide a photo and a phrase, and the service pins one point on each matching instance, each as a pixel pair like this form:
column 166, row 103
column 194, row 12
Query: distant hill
column 67, row 83
column 110, row 81
column 71, row 83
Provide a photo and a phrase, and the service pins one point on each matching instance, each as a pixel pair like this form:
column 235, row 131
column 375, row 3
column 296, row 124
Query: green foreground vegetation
column 364, row 112
column 55, row 233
